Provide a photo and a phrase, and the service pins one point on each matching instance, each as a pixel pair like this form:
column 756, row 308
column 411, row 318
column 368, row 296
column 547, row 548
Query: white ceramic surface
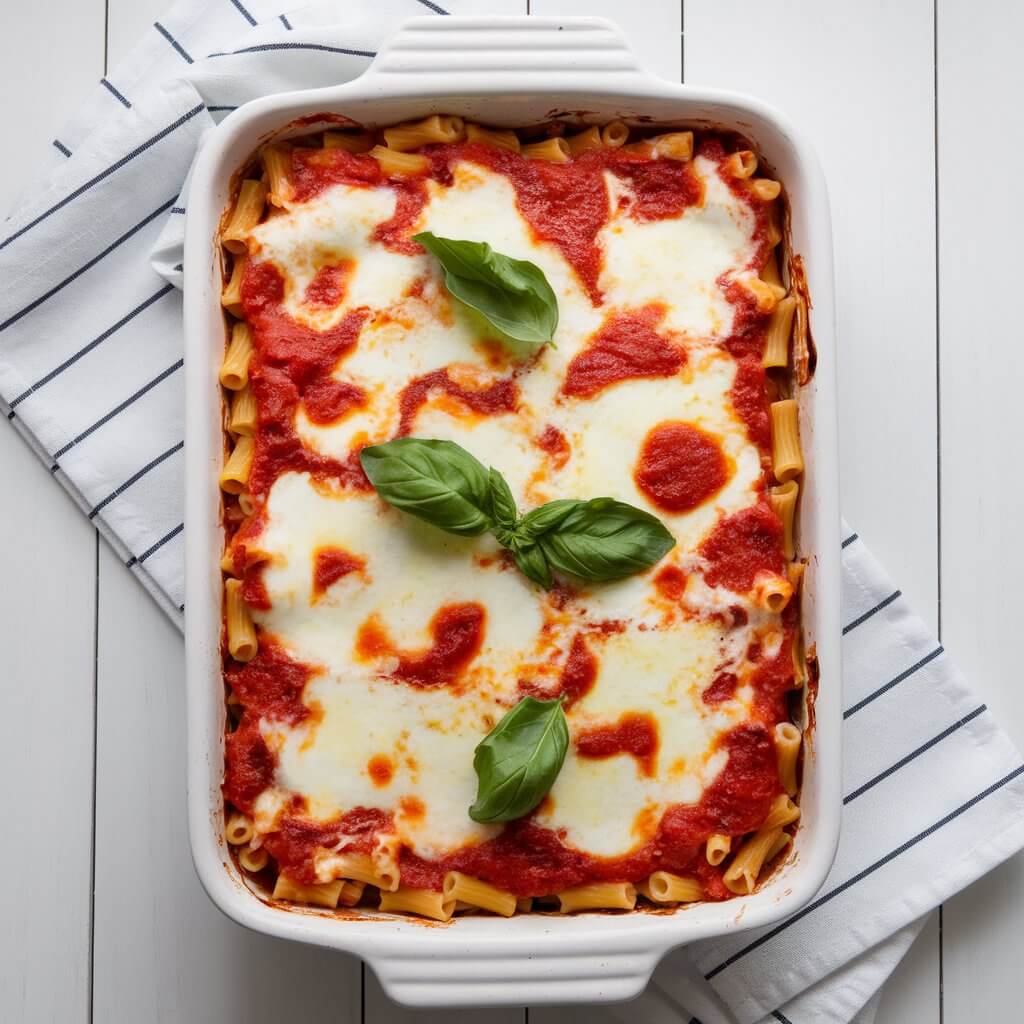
column 506, row 71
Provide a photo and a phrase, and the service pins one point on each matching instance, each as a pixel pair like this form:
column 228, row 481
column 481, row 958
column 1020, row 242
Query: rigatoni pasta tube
column 253, row 860
column 766, row 189
column 242, row 419
column 321, row 894
column 424, row 902
column 252, row 200
column 770, row 270
column 787, row 457
column 598, row 896
column 466, row 889
column 231, row 296
column 717, row 848
column 765, row 294
column 351, row 893
column 783, row 500
column 664, row 887
column 242, row 642
column 492, row 137
column 238, row 829
column 784, row 841
column 674, row 145
column 235, row 474
column 581, row 142
column 393, row 162
column 351, row 142
column 555, row 150
column 234, row 371
column 361, row 868
column 614, row 134
column 741, row 164
column 787, row 749
column 776, row 343
column 436, row 128
column 772, row 591
column 783, row 812
column 277, row 162
column 741, row 875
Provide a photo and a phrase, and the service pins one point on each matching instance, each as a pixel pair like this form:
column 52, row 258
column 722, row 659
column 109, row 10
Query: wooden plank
column 47, row 602
column 47, row 621
column 50, row 57
column 981, row 364
column 159, row 942
column 858, row 79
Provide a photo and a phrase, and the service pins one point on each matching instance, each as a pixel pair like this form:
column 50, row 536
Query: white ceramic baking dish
column 509, row 72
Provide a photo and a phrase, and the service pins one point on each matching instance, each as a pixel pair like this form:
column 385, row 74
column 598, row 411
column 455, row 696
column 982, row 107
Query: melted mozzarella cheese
column 660, row 660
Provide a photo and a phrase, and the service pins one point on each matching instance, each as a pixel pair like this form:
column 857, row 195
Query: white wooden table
column 914, row 108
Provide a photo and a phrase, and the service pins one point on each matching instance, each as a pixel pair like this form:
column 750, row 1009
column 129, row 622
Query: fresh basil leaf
column 436, row 481
column 533, row 564
column 513, row 295
column 605, row 539
column 503, row 505
column 518, row 761
column 547, row 517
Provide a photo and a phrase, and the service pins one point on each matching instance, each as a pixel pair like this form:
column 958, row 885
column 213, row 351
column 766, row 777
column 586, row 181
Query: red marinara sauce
column 680, row 466
column 296, row 838
column 579, row 672
column 331, row 564
column 292, row 366
column 742, row 545
column 634, row 733
column 626, row 347
column 530, row 860
column 568, row 204
column 270, row 686
column 500, row 396
column 457, row 632
column 554, row 443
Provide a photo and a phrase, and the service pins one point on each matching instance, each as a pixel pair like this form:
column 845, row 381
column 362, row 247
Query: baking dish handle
column 573, row 974
column 446, row 55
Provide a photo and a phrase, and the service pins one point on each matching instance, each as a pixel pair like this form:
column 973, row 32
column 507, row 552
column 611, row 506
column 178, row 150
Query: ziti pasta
column 511, row 482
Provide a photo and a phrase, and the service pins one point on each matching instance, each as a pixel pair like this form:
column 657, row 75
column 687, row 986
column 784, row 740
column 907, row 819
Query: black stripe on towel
column 163, row 375
column 134, row 478
column 116, row 93
column 433, row 7
column 265, row 47
column 179, row 49
column 127, row 158
column 885, row 688
column 871, row 611
column 58, row 370
column 849, row 540
column 904, row 761
column 244, row 13
column 61, row 147
column 156, row 547
column 869, row 870
column 86, row 266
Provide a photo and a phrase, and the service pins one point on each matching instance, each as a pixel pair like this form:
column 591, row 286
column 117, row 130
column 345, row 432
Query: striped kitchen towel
column 90, row 374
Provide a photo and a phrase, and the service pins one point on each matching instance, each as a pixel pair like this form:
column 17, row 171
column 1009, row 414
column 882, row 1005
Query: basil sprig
column 442, row 484
column 517, row 762
column 512, row 295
